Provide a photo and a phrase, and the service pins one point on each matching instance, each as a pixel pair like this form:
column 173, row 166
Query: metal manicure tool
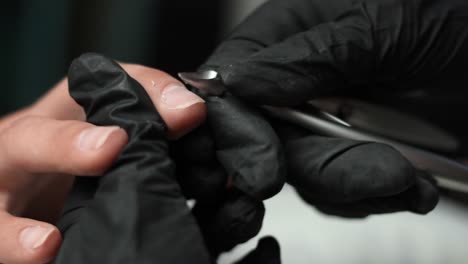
column 416, row 139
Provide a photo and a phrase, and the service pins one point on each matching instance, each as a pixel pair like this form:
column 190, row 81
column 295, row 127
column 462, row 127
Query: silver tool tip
column 207, row 82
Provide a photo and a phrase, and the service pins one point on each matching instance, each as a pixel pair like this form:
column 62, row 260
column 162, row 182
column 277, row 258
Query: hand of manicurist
column 44, row 145
column 290, row 51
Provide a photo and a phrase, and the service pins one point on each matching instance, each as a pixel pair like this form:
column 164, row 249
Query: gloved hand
column 289, row 51
column 136, row 212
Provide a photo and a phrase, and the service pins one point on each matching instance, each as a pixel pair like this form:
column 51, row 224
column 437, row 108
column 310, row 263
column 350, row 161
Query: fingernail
column 178, row 97
column 35, row 236
column 93, row 138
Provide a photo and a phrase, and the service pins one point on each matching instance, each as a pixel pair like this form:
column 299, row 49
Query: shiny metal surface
column 389, row 123
column 451, row 174
column 208, row 82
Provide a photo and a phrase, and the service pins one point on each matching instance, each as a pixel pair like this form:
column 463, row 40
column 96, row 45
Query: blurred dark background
column 40, row 38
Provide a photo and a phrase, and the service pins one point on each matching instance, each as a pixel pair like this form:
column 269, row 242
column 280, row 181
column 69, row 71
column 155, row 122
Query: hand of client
column 44, row 145
column 136, row 212
column 291, row 51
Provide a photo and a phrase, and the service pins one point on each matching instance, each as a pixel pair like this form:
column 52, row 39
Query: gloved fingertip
column 267, row 251
column 235, row 221
column 243, row 216
column 269, row 243
column 345, row 171
column 381, row 168
column 89, row 63
column 241, row 79
column 426, row 197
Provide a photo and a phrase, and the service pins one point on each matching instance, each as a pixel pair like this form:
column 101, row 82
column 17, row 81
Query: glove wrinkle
column 234, row 220
column 421, row 198
column 344, row 171
column 138, row 213
column 247, row 147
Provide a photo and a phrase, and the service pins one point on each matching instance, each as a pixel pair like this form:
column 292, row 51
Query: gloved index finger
column 138, row 214
column 271, row 23
column 320, row 61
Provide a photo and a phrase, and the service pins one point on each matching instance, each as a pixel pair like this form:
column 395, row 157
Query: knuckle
column 12, row 137
column 33, row 141
column 23, row 122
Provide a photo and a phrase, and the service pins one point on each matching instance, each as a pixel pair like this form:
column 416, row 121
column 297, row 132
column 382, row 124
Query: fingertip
column 99, row 146
column 114, row 144
column 26, row 241
column 368, row 170
column 180, row 123
column 426, row 197
column 181, row 110
column 49, row 248
column 269, row 243
column 238, row 219
column 267, row 251
column 244, row 215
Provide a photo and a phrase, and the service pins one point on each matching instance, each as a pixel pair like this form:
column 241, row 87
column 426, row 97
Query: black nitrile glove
column 136, row 212
column 229, row 193
column 290, row 51
column 354, row 179
column 267, row 252
column 230, row 165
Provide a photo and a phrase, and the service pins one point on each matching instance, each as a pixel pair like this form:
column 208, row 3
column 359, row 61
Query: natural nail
column 93, row 138
column 33, row 237
column 178, row 97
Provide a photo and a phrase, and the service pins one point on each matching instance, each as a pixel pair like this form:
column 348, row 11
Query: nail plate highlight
column 177, row 97
column 34, row 237
column 95, row 137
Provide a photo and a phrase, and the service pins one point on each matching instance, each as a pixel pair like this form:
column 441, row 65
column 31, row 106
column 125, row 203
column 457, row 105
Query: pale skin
column 44, row 145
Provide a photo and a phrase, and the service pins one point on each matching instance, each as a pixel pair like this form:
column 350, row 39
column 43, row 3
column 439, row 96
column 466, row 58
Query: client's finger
column 43, row 145
column 26, row 241
column 138, row 213
column 181, row 109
